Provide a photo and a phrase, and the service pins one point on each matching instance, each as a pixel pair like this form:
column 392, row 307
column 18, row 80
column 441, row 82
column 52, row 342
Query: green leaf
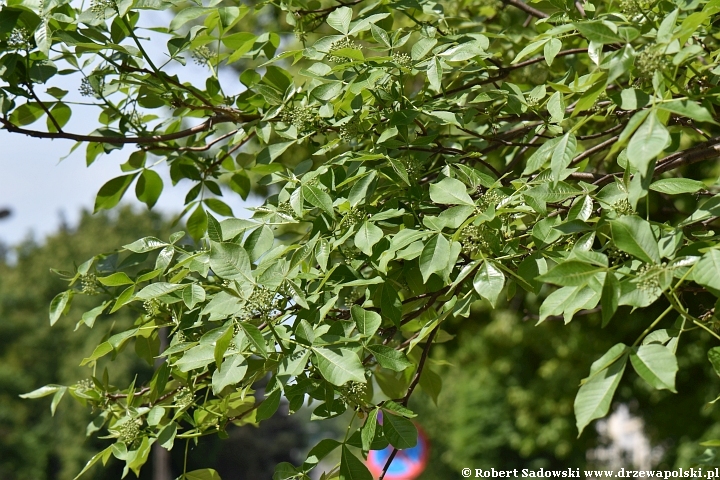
column 116, row 279
column 571, row 273
column 632, row 99
column 398, row 408
column 707, row 270
column 567, row 301
column 166, row 437
column 435, row 73
column 389, row 357
column 185, row 15
column 214, row 229
column 380, row 36
column 713, row 356
column 528, row 50
column 111, row 193
column 359, row 190
column 489, row 282
column 450, row 191
column 562, row 155
column 422, row 47
column 42, row 391
column 367, row 322
column 633, row 235
column 222, row 344
column 318, row 198
column 26, row 114
column 556, row 109
column 219, row 207
column 197, row 223
column 610, row 297
column 204, row 474
column 89, row 317
column 146, row 244
column 340, row 19
column 689, row 109
column 367, row 236
column 155, row 290
column 269, row 406
column 149, row 187
column 199, row 356
column 255, row 337
column 323, row 448
column 259, row 242
column 100, row 351
column 434, row 256
column 104, row 454
column 676, row 186
column 595, row 396
column 60, row 305
column 656, row 364
column 351, row 468
column 552, row 48
column 399, row 431
column 327, row 91
column 542, row 154
column 230, row 261
column 598, row 32
column 367, row 433
column 710, row 208
column 339, row 365
column 647, row 143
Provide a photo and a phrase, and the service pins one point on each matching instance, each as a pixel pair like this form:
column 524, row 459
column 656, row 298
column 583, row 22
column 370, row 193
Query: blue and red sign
column 408, row 464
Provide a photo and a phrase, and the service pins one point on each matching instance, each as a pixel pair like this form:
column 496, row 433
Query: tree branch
column 418, row 372
column 505, row 71
column 206, row 125
column 387, row 464
column 597, row 148
column 704, row 151
column 526, row 8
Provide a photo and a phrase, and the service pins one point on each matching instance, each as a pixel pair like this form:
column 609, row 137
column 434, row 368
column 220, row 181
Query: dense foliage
column 37, row 446
column 421, row 157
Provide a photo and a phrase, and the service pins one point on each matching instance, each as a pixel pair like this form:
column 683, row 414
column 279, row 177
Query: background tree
column 422, row 158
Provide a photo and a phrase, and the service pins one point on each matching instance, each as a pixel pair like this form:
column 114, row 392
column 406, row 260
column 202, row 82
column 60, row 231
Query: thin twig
column 505, row 71
column 592, row 150
column 526, row 8
column 44, row 107
column 387, row 464
column 418, row 372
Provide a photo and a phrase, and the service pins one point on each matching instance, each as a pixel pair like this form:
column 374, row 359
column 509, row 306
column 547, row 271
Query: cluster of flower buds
column 100, row 8
column 623, row 207
column 153, row 307
column 649, row 61
column 349, row 131
column 353, row 393
column 648, row 279
column 353, row 217
column 183, row 397
column 634, row 8
column 202, row 55
column 402, row 59
column 88, row 284
column 129, row 431
column 474, row 239
column 303, row 118
column 341, row 44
